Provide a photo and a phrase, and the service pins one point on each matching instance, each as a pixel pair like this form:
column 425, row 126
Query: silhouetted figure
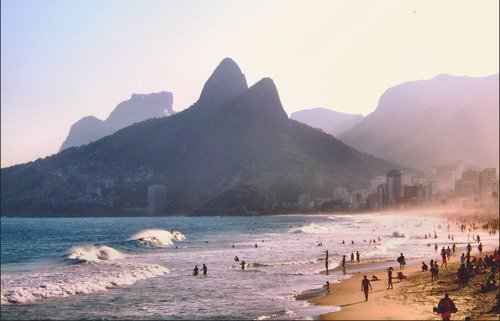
column 236, row 258
column 204, row 269
column 242, row 264
column 447, row 307
column 195, row 270
column 389, row 278
column 365, row 284
column 352, row 257
column 357, row 256
column 326, row 262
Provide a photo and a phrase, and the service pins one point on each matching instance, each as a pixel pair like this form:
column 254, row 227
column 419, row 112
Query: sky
column 62, row 60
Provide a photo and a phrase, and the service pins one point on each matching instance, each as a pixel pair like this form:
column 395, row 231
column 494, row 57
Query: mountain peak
column 226, row 82
column 262, row 99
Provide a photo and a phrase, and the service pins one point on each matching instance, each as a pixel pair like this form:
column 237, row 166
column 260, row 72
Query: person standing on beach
column 402, row 261
column 326, row 262
column 447, row 307
column 389, row 278
column 343, row 264
column 480, row 248
column 352, row 257
column 204, row 269
column 365, row 283
column 357, row 256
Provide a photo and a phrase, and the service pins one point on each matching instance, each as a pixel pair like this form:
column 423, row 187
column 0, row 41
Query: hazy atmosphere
column 63, row 60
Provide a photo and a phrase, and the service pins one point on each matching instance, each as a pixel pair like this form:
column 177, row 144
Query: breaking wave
column 300, row 262
column 157, row 237
column 313, row 229
column 75, row 279
column 93, row 253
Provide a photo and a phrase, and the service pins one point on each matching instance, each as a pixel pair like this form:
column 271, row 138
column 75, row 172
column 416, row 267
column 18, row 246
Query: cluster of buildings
column 453, row 183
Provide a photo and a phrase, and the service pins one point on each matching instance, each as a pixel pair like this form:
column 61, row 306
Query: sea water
column 142, row 268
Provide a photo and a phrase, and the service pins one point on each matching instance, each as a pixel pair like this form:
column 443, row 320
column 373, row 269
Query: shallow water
column 141, row 268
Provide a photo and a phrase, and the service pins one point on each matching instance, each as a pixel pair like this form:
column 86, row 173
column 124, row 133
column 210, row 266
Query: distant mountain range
column 136, row 109
column 232, row 152
column 430, row 122
column 330, row 121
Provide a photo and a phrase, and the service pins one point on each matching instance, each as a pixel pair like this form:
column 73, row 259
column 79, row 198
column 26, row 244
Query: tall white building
column 487, row 180
column 157, row 198
column 341, row 194
column 304, row 202
column 394, row 187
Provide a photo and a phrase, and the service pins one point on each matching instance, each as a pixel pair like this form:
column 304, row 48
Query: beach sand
column 411, row 299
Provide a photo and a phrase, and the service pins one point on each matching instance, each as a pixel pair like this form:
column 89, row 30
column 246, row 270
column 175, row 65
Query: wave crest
column 93, row 253
column 157, row 237
column 313, row 229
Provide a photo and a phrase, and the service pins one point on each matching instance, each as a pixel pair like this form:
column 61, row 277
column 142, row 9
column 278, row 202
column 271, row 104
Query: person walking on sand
column 204, row 269
column 365, row 284
column 447, row 307
column 389, row 278
column 443, row 258
column 357, row 256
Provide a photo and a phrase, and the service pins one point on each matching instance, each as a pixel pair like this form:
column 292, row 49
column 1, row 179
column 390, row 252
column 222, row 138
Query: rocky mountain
column 233, row 151
column 430, row 122
column 330, row 121
column 136, row 109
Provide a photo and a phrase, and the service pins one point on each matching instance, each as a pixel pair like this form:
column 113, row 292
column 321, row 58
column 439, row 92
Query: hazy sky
column 62, row 60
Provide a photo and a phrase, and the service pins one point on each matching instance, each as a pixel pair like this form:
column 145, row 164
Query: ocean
column 142, row 268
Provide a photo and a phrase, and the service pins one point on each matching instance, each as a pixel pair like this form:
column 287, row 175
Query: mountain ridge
column 328, row 120
column 138, row 108
column 428, row 122
column 238, row 155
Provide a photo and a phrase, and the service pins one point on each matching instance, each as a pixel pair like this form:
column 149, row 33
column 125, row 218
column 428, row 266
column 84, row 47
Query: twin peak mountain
column 234, row 151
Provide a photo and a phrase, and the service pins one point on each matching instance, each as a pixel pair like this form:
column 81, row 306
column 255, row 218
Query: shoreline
column 410, row 299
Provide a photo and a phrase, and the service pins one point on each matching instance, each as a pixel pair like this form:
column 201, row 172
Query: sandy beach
column 411, row 299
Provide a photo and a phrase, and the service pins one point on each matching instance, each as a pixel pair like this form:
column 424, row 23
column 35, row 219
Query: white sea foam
column 74, row 279
column 157, row 237
column 279, row 314
column 93, row 253
column 313, row 229
column 281, row 263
